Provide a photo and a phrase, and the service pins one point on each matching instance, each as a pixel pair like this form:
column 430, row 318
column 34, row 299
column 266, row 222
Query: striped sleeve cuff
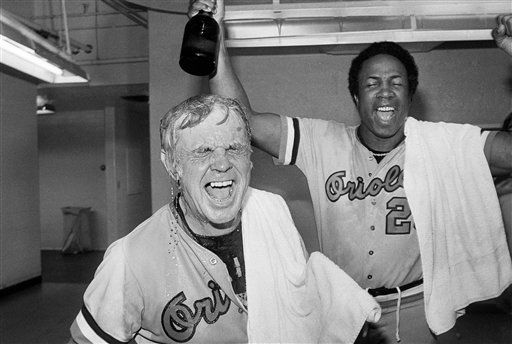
column 289, row 145
column 85, row 330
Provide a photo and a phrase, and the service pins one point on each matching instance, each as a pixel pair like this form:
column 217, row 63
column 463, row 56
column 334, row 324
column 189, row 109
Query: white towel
column 453, row 201
column 291, row 300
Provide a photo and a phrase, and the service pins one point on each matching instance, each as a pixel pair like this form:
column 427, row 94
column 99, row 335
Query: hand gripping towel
column 451, row 194
column 291, row 299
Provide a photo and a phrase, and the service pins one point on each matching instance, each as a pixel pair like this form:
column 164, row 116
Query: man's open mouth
column 385, row 113
column 220, row 190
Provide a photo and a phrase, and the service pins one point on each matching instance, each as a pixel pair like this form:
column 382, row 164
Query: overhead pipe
column 65, row 22
column 9, row 20
column 42, row 46
column 45, row 33
column 127, row 11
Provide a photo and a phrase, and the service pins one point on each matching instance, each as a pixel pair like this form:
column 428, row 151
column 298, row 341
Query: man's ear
column 356, row 100
column 169, row 166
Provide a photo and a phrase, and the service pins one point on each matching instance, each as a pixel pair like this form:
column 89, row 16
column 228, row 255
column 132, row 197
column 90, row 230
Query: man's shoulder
column 151, row 231
column 325, row 128
column 323, row 121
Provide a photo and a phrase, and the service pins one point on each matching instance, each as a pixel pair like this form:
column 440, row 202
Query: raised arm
column 499, row 148
column 266, row 127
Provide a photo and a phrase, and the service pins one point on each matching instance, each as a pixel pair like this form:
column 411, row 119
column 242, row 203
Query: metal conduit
column 45, row 33
column 9, row 20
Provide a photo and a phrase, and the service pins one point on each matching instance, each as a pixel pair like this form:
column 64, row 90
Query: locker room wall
column 20, row 237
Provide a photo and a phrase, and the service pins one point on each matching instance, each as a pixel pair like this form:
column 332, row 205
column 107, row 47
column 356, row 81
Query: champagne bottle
column 200, row 47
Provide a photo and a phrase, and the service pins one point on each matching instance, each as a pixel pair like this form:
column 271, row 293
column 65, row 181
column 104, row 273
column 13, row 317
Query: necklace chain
column 180, row 218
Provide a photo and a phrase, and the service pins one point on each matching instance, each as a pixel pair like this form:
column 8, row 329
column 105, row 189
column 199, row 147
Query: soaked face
column 384, row 100
column 214, row 167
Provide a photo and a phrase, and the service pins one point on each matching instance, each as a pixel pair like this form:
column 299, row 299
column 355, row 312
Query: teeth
column 385, row 108
column 221, row 184
column 220, row 191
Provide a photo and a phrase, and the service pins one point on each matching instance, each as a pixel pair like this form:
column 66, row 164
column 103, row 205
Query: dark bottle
column 200, row 47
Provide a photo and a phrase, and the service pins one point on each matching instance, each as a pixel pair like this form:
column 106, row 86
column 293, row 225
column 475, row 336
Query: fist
column 214, row 6
column 502, row 34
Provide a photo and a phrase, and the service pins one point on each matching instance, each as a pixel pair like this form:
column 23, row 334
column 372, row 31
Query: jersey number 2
column 396, row 220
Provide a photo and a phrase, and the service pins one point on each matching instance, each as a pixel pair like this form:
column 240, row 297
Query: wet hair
column 383, row 48
column 193, row 111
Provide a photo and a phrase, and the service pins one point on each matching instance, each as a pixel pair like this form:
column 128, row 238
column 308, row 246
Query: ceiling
column 329, row 26
column 109, row 32
column 295, row 23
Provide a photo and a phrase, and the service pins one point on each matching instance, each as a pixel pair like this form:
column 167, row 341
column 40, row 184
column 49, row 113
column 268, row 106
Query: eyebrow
column 226, row 145
column 393, row 76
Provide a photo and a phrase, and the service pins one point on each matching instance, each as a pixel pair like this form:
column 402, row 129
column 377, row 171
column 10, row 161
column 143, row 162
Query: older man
column 223, row 262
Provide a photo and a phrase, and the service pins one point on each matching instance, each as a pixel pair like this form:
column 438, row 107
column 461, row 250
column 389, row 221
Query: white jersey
column 363, row 219
column 157, row 285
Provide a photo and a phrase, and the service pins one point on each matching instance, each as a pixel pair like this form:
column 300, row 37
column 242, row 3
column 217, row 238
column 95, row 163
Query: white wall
column 167, row 87
column 73, row 147
column 132, row 166
column 120, row 57
column 71, row 153
column 460, row 85
column 20, row 257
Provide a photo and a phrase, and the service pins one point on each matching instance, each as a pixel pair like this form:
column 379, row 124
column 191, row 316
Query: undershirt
column 229, row 248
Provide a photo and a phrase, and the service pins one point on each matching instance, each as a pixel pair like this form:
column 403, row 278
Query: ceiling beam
column 237, row 8
column 361, row 37
column 330, row 23
column 367, row 8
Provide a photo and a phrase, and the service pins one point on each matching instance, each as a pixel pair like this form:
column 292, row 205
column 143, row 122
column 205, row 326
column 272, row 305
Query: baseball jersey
column 363, row 219
column 157, row 285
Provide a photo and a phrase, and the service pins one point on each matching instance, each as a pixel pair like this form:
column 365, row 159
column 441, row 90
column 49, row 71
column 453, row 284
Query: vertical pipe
column 66, row 29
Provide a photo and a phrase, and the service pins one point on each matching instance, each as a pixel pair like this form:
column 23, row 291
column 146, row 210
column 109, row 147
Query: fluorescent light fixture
column 27, row 60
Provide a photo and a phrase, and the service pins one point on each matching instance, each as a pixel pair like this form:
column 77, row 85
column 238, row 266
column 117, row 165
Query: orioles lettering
column 180, row 322
column 335, row 186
